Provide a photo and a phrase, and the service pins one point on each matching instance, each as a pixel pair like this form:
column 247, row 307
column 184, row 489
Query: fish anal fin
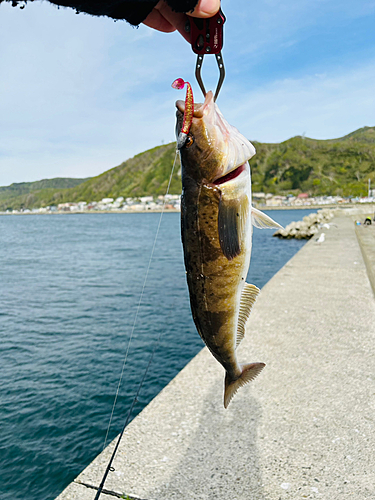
column 249, row 372
column 263, row 221
column 248, row 297
column 232, row 218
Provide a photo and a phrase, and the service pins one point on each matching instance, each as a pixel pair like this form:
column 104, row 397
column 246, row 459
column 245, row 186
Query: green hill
column 146, row 173
column 29, row 192
column 332, row 167
column 320, row 167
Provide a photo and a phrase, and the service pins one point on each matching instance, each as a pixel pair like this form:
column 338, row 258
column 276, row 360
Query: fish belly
column 215, row 283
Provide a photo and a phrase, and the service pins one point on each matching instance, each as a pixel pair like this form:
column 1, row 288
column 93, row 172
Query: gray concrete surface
column 303, row 429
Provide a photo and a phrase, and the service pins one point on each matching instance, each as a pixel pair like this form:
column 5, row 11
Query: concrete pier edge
column 366, row 240
column 303, row 429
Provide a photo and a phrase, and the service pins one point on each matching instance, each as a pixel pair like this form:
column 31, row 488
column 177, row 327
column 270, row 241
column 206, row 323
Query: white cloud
column 321, row 106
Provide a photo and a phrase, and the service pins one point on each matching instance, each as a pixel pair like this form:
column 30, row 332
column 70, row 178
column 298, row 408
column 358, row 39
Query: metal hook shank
column 198, row 76
column 220, row 63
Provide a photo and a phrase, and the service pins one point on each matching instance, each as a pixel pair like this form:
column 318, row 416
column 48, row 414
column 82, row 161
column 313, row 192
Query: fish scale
column 211, row 280
column 216, row 229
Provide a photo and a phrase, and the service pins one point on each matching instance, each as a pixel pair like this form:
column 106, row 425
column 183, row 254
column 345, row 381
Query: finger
column 176, row 19
column 206, row 8
column 158, row 22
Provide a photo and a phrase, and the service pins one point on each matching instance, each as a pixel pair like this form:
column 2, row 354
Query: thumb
column 205, row 8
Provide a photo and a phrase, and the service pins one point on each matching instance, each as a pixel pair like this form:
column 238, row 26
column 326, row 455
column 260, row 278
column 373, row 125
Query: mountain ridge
column 340, row 166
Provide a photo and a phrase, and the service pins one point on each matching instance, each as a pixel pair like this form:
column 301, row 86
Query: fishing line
column 109, row 466
column 139, row 302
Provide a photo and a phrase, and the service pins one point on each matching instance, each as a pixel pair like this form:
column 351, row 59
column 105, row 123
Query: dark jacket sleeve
column 134, row 11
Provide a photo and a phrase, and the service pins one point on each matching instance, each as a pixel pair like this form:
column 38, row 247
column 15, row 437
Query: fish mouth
column 220, row 138
column 231, row 175
column 199, row 107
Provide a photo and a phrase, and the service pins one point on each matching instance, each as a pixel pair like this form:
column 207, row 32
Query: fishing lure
column 179, row 84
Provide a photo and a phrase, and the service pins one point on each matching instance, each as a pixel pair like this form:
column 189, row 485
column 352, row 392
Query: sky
column 79, row 95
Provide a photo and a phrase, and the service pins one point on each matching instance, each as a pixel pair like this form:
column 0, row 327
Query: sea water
column 70, row 288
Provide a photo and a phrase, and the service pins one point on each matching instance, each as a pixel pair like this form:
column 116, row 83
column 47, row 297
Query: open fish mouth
column 236, row 149
column 231, row 175
column 199, row 107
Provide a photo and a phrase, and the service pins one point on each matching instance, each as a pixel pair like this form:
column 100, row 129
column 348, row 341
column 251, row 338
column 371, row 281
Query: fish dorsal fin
column 248, row 297
column 233, row 214
column 262, row 221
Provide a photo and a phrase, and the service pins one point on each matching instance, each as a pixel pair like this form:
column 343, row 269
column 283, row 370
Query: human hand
column 163, row 18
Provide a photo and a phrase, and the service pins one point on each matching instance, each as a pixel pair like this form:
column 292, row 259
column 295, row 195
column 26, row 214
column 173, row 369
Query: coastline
column 364, row 208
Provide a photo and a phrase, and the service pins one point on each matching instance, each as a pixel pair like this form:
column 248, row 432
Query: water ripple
column 69, row 289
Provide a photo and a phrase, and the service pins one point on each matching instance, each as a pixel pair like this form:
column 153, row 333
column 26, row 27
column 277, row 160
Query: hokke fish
column 216, row 227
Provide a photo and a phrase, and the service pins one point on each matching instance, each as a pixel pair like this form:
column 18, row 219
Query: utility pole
column 369, row 188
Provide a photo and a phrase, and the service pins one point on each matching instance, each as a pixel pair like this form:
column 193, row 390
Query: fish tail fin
column 249, row 372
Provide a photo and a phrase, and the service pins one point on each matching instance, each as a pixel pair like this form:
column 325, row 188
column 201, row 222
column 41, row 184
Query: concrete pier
column 303, row 429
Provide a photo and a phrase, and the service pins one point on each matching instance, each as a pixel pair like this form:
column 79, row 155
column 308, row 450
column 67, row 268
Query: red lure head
column 189, row 110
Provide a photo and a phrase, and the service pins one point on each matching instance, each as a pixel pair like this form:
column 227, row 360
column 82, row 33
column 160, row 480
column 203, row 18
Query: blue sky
column 79, row 95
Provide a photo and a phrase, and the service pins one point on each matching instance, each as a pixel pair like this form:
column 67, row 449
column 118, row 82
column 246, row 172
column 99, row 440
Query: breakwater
column 302, row 429
column 307, row 227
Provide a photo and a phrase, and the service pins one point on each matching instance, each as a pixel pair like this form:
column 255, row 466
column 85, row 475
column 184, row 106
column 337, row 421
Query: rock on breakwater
column 307, row 227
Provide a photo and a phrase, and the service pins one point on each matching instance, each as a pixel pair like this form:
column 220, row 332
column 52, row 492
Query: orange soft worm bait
column 189, row 110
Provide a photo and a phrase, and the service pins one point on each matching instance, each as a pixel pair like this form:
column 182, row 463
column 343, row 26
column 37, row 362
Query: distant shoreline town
column 172, row 202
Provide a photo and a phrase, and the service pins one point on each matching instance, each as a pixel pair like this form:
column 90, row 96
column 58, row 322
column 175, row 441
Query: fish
column 216, row 230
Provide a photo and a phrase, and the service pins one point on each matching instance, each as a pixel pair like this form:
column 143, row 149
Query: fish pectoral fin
column 249, row 372
column 248, row 297
column 232, row 218
column 262, row 221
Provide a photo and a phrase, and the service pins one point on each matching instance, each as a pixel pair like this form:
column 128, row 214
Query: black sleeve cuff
column 134, row 11
column 182, row 5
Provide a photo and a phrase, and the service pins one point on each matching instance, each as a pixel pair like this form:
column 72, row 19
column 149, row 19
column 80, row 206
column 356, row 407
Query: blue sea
column 69, row 290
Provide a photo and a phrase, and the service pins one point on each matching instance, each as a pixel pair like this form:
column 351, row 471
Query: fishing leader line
column 135, row 399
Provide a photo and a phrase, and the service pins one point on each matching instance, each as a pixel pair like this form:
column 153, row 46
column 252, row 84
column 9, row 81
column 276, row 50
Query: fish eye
column 189, row 141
